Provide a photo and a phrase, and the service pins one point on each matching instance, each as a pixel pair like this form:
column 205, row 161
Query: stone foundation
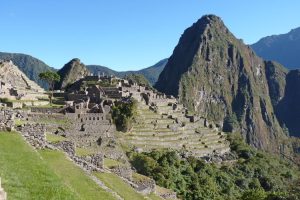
column 3, row 195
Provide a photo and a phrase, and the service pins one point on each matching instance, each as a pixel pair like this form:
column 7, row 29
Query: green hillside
column 31, row 66
column 28, row 174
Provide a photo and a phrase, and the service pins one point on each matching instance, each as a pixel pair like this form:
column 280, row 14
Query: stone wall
column 122, row 171
column 3, row 195
column 46, row 110
column 6, row 120
column 34, row 135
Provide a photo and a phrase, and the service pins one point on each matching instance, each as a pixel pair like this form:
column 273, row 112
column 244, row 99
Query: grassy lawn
column 109, row 163
column 154, row 197
column 54, row 138
column 118, row 185
column 74, row 177
column 25, row 175
column 44, row 175
column 84, row 152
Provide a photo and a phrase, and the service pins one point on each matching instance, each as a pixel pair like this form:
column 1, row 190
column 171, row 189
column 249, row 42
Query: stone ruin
column 3, row 195
column 15, row 85
column 6, row 120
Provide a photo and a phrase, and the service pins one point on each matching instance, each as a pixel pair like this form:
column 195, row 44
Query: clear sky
column 128, row 34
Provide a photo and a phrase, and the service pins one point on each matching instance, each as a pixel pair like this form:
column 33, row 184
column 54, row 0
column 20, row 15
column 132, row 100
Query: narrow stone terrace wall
column 3, row 195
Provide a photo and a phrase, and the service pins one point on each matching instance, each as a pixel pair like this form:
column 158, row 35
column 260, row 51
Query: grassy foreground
column 27, row 174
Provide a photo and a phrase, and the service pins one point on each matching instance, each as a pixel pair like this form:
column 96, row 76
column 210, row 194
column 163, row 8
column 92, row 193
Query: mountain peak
column 217, row 76
column 71, row 72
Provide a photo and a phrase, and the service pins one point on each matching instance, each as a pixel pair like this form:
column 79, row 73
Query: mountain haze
column 282, row 48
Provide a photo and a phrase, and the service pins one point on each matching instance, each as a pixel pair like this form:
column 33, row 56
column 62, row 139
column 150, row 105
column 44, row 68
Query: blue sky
column 132, row 34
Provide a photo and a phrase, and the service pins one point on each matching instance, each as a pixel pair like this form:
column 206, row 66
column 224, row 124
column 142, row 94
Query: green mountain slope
column 31, row 66
column 223, row 80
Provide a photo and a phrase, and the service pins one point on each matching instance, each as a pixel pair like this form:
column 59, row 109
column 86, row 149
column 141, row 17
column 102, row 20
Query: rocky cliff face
column 219, row 77
column 71, row 72
column 288, row 109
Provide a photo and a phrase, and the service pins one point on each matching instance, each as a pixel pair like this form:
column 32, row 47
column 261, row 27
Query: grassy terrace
column 54, row 138
column 44, row 175
column 123, row 189
column 74, row 177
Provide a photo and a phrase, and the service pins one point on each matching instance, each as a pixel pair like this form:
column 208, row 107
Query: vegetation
column 51, row 78
column 253, row 175
column 139, row 79
column 118, row 185
column 83, row 151
column 74, row 177
column 110, row 163
column 54, row 138
column 123, row 114
column 25, row 175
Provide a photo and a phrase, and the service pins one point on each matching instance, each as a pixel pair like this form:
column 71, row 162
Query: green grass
column 109, row 163
column 19, row 122
column 44, row 175
column 83, row 151
column 54, row 121
column 139, row 177
column 25, row 175
column 153, row 196
column 74, row 177
column 118, row 185
column 54, row 138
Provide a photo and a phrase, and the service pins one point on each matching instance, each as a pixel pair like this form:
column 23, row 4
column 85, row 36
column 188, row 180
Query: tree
column 50, row 77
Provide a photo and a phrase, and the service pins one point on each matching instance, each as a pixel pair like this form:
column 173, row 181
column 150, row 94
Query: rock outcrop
column 223, row 80
column 71, row 72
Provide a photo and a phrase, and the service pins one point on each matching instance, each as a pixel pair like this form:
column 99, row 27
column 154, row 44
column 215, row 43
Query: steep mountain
column 288, row 109
column 150, row 73
column 222, row 79
column 71, row 72
column 282, row 48
column 31, row 66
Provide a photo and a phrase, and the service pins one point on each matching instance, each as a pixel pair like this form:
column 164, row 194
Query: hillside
column 31, row 66
column 282, row 48
column 219, row 77
column 70, row 73
column 150, row 73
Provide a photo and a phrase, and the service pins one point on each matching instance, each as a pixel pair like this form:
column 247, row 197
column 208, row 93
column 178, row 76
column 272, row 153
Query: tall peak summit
column 219, row 77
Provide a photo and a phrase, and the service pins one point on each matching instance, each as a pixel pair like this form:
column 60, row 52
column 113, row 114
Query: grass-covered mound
column 253, row 175
column 28, row 174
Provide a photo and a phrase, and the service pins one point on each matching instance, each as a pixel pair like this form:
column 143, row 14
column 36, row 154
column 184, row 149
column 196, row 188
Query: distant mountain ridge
column 32, row 67
column 283, row 48
column 151, row 73
column 29, row 65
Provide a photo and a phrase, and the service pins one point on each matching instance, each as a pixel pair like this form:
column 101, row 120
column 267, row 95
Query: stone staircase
column 3, row 195
column 168, row 128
